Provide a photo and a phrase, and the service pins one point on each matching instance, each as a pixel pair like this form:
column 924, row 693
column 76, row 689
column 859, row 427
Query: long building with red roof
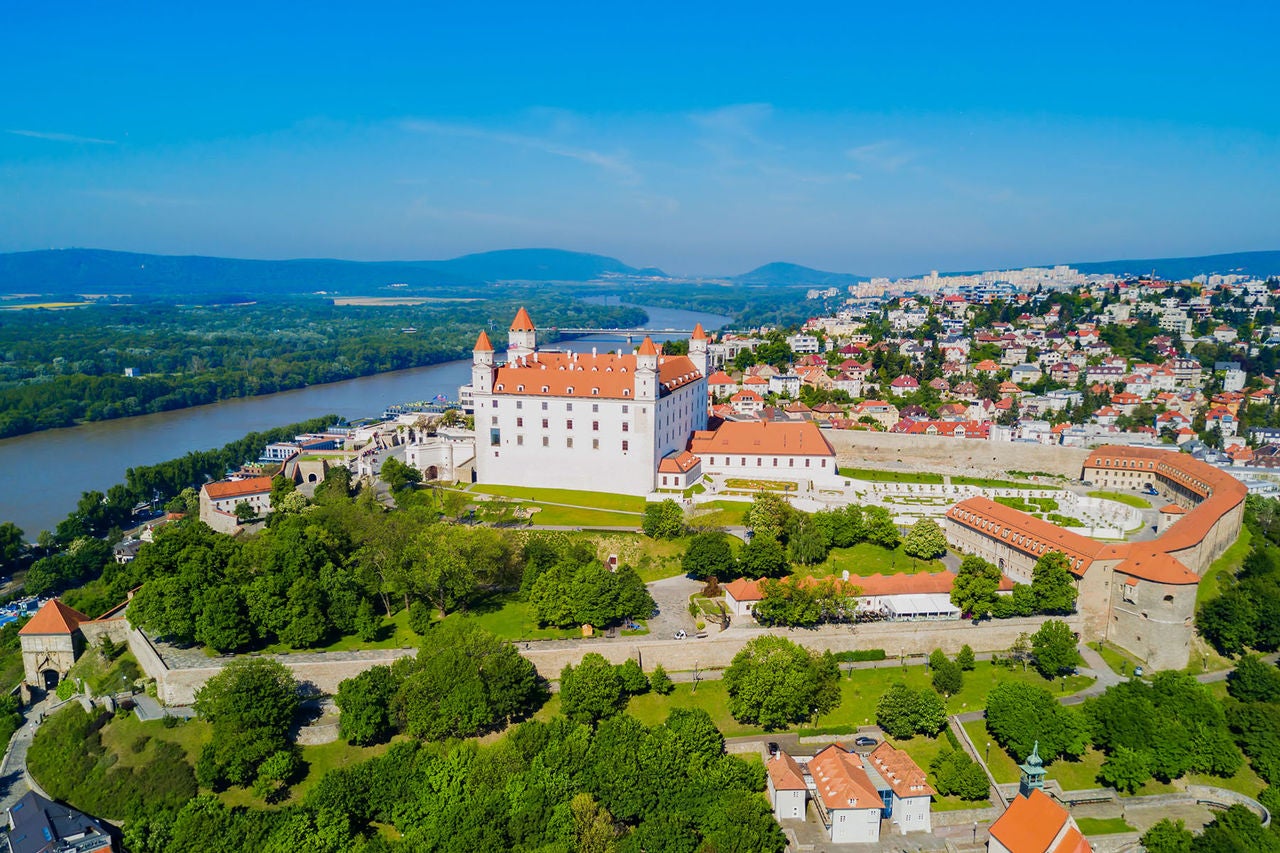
column 1139, row 595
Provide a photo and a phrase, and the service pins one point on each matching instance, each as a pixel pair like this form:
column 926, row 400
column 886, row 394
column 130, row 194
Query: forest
column 60, row 368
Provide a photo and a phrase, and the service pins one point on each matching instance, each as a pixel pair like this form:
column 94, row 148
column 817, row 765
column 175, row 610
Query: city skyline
column 868, row 143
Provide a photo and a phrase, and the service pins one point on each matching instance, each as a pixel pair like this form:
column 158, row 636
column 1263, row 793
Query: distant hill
column 102, row 271
column 794, row 274
column 1260, row 264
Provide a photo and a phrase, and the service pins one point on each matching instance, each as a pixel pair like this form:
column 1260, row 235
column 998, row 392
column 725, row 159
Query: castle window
column 568, row 424
column 521, row 388
column 626, row 392
column 519, row 404
column 625, row 409
column 595, row 392
column 545, row 423
column 520, row 440
column 625, row 445
column 626, row 426
column 545, row 389
column 595, row 444
column 519, row 422
column 544, row 404
column 569, row 390
column 568, row 407
column 568, row 442
column 546, row 442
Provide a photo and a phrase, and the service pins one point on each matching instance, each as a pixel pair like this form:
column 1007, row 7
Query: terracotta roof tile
column 523, row 322
column 237, row 488
column 482, row 343
column 842, row 782
column 897, row 768
column 785, row 773
column 798, row 438
column 698, row 333
column 54, row 617
column 605, row 375
column 1030, row 824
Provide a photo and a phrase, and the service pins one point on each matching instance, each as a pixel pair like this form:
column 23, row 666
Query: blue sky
column 703, row 140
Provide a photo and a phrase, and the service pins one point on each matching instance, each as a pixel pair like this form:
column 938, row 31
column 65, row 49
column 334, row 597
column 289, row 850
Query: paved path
column 13, row 781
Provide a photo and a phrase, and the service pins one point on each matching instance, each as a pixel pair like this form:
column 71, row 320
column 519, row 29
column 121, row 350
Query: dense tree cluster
column 925, row 540
column 1020, row 715
column 709, row 555
column 64, row 367
column 805, row 602
column 663, row 520
column 782, row 535
column 251, row 705
column 1253, row 713
column 774, row 682
column 567, row 586
column 976, row 589
column 904, row 712
column 1246, row 615
column 596, row 689
column 956, row 774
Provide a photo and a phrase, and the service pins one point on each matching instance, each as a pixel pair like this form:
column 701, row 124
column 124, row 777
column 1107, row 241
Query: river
column 46, row 471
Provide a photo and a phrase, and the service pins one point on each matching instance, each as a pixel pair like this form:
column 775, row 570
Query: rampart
column 951, row 456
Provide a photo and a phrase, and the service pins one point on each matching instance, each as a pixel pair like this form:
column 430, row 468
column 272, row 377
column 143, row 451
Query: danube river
column 47, row 471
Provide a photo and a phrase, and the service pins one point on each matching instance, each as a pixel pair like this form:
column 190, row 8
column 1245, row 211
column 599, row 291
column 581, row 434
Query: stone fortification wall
column 911, row 638
column 326, row 670
column 116, row 629
column 939, row 454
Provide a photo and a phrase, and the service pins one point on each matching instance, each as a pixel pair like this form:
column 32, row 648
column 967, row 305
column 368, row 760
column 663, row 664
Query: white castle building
column 600, row 422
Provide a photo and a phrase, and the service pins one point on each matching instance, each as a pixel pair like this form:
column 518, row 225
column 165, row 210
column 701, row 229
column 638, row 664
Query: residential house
column 883, row 413
column 40, row 825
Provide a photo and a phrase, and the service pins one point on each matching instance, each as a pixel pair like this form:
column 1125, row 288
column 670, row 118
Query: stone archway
column 49, row 679
column 433, row 473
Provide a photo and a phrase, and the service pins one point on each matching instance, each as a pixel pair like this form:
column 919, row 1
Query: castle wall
column 1153, row 621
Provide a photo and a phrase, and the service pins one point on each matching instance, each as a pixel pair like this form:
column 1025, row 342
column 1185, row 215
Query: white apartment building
column 579, row 421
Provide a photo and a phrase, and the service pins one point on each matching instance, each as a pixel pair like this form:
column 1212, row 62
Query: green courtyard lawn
column 1103, row 826
column 868, row 559
column 565, row 516
column 721, row 514
column 395, row 634
column 569, row 497
column 508, row 616
column 875, row 475
column 318, row 759
column 120, row 734
column 1122, row 497
column 1229, row 563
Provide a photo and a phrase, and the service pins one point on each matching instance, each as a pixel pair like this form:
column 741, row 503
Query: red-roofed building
column 560, row 419
column 847, row 800
column 787, row 450
column 1036, row 824
column 51, row 641
column 788, row 790
column 218, row 501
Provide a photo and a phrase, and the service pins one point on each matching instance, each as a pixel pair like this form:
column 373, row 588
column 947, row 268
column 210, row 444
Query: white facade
column 855, row 826
column 578, row 421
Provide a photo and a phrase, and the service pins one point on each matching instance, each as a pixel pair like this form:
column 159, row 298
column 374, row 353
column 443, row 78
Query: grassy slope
column 1122, row 497
column 1229, row 563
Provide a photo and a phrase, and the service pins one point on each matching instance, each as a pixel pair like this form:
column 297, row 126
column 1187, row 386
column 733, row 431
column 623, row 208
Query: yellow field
column 396, row 300
column 52, row 306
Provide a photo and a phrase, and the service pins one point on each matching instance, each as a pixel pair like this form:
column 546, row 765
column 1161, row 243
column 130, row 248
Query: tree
column 880, row 529
column 774, row 682
column 708, row 555
column 808, row 546
column 365, row 705
column 634, row 681
column 965, row 659
column 1019, row 715
column 664, row 520
column 1254, row 680
column 1229, row 622
column 948, row 678
column 763, row 557
column 974, row 590
column 1236, row 829
column 660, row 682
column 591, row 691
column 251, row 705
column 439, row 570
column 925, row 540
column 397, row 475
column 1126, row 769
column 463, row 681
column 1053, row 588
column 1167, row 836
column 223, row 623
column 12, row 546
column 772, row 515
column 955, row 773
column 903, row 712
column 1053, row 648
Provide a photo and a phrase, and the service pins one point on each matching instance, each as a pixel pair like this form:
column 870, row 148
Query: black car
column 773, row 747
column 864, row 740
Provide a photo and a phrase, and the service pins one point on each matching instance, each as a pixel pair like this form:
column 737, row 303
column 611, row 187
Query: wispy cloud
column 740, row 121
column 49, row 136
column 884, row 156
column 617, row 163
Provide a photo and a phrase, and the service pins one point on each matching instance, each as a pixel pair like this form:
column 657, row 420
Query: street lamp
column 988, row 758
column 975, row 832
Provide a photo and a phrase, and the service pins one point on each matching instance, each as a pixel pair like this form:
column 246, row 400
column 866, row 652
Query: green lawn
column 1120, row 661
column 868, row 559
column 395, row 634
column 1122, row 497
column 1103, row 826
column 1229, row 562
column 877, row 476
column 122, row 732
column 507, row 616
column 565, row 516
column 922, row 751
column 590, row 500
column 721, row 514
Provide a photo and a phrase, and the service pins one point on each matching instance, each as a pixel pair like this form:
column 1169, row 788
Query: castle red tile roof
column 743, row 589
column 523, row 322
column 54, row 617
column 698, row 333
column 647, row 347
column 237, row 488
column 1033, row 536
column 679, row 463
column 482, row 343
column 796, row 438
column 604, row 375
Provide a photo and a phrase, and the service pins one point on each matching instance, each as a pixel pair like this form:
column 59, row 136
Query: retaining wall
column 932, row 453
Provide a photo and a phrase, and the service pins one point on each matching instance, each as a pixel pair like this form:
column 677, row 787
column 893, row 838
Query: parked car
column 865, row 740
column 773, row 747
column 680, row 635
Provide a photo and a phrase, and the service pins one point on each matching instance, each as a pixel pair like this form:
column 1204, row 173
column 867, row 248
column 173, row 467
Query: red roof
column 897, row 768
column 522, row 322
column 647, row 347
column 797, row 438
column 842, row 782
column 606, row 375
column 721, row 378
column 1031, row 824
column 785, row 773
column 482, row 343
column 238, row 488
column 698, row 333
column 54, row 617
column 744, row 590
column 680, row 463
